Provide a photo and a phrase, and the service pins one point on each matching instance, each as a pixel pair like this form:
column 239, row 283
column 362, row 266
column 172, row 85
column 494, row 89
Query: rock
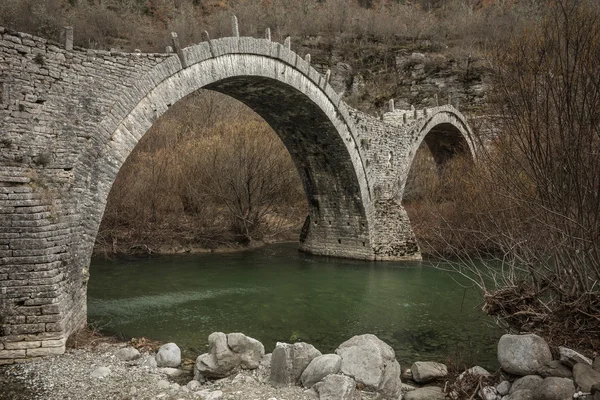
column 319, row 368
column 289, row 361
column 101, row 373
column 227, row 353
column 523, row 354
column 557, row 369
column 202, row 393
column 311, row 393
column 424, row 372
column 426, row 393
column 502, row 388
column 336, row 387
column 391, row 385
column 418, row 56
column 172, row 372
column 149, row 362
column 216, row 395
column 529, row 382
column 128, row 354
column 523, row 394
column 263, row 372
column 341, row 77
column 585, row 376
column 366, row 358
column 488, row 393
column 554, row 388
column 249, row 350
column 358, row 84
column 596, row 363
column 571, row 357
column 169, row 355
column 407, row 388
column 163, row 384
column 406, row 374
column 132, row 391
column 193, row 385
column 220, row 361
column 476, row 371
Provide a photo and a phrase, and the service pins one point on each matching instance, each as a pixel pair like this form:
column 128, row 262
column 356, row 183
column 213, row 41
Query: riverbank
column 236, row 367
column 71, row 376
column 171, row 247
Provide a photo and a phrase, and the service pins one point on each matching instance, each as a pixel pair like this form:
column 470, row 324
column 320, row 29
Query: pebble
column 172, row 372
column 163, row 384
column 216, row 395
column 100, row 373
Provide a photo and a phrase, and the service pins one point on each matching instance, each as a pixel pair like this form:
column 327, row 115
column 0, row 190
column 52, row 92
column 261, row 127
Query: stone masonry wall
column 51, row 100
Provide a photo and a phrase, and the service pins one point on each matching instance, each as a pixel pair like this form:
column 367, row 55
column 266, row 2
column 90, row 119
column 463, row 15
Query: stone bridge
column 70, row 117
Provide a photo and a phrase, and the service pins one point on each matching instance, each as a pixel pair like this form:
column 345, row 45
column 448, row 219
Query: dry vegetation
column 210, row 173
column 145, row 24
column 533, row 201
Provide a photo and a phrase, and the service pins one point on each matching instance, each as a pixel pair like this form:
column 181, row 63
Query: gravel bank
column 69, row 376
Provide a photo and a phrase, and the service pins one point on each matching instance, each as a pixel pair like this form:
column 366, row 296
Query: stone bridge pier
column 70, row 117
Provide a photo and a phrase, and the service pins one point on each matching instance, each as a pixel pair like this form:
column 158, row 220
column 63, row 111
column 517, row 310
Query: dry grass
column 89, row 337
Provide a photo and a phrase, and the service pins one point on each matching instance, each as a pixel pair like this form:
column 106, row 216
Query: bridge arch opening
column 442, row 159
column 445, row 142
column 305, row 119
column 209, row 173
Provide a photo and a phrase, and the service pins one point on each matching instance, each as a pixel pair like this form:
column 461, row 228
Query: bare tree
column 535, row 198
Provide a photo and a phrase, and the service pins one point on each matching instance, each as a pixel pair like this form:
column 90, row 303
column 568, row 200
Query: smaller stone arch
column 445, row 132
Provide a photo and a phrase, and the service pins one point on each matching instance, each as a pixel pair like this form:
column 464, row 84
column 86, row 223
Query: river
column 276, row 293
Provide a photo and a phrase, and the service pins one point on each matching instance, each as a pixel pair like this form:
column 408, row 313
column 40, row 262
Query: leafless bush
column 246, row 171
column 534, row 200
column 209, row 172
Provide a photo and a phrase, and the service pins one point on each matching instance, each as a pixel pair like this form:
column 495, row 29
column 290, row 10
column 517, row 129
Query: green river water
column 276, row 293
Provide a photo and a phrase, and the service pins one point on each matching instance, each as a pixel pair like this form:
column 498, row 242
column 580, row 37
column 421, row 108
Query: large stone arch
column 289, row 95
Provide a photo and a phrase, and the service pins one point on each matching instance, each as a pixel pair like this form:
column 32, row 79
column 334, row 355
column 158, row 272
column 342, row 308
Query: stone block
column 12, row 353
column 54, row 327
column 54, row 343
column 28, row 311
column 197, row 53
column 26, row 328
column 51, row 309
column 22, row 345
column 44, row 318
column 45, row 351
